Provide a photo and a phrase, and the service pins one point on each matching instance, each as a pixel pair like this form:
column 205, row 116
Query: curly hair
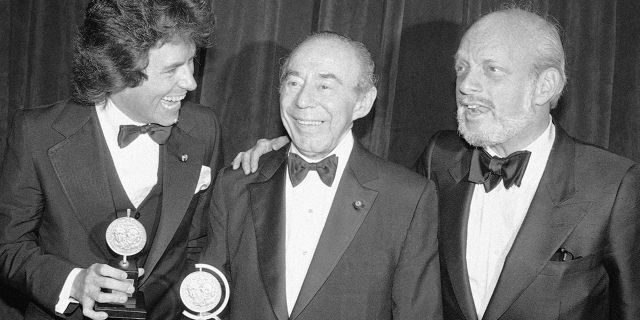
column 112, row 46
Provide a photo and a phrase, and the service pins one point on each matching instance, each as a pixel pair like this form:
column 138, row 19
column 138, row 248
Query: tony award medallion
column 126, row 237
column 205, row 292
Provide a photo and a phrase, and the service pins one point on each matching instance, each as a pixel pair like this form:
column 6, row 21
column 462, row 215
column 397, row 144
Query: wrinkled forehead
column 326, row 55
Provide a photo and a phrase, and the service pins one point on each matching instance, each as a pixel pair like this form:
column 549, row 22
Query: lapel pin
column 358, row 204
column 184, row 158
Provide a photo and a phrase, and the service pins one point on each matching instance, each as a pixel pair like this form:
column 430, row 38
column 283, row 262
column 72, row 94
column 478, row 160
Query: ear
column 365, row 103
column 547, row 86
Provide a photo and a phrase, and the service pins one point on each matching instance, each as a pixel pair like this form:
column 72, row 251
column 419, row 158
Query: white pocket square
column 204, row 180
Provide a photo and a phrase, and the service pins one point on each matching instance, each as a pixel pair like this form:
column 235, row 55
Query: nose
column 305, row 97
column 187, row 81
column 468, row 82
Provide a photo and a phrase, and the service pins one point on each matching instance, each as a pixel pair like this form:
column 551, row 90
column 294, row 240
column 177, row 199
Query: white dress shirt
column 495, row 218
column 136, row 165
column 307, row 208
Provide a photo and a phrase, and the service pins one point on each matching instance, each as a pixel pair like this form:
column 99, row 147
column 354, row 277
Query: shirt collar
column 342, row 150
column 540, row 149
column 113, row 116
column 541, row 145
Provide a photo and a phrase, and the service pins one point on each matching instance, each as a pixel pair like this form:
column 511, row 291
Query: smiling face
column 169, row 77
column 318, row 96
column 496, row 85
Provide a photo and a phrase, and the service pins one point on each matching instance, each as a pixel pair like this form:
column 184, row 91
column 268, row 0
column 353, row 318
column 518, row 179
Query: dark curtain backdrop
column 413, row 43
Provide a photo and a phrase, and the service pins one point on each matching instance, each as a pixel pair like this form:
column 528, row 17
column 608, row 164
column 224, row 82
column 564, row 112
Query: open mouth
column 312, row 123
column 174, row 98
column 172, row 102
column 474, row 107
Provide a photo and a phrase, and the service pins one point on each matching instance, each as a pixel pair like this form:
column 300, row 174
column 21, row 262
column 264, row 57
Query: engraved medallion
column 202, row 292
column 126, row 236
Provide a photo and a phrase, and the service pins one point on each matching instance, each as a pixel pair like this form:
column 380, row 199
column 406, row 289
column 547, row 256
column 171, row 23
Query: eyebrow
column 290, row 73
column 179, row 63
column 330, row 76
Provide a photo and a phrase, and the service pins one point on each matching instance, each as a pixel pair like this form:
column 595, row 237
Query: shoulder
column 444, row 147
column 197, row 115
column 594, row 163
column 53, row 111
column 448, row 142
column 46, row 120
column 268, row 166
column 391, row 177
column 200, row 122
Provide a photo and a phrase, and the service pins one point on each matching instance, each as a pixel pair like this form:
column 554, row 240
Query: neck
column 522, row 139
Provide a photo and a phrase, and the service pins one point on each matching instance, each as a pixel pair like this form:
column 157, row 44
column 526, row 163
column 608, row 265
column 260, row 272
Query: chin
column 481, row 134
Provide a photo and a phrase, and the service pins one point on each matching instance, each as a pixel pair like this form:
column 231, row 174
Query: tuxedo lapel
column 551, row 217
column 344, row 219
column 455, row 200
column 268, row 210
column 78, row 161
column 182, row 164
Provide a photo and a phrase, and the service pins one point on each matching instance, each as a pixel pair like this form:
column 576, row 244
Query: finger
column 87, row 310
column 279, row 142
column 262, row 146
column 111, row 272
column 246, row 161
column 114, row 297
column 255, row 158
column 235, row 164
column 124, row 286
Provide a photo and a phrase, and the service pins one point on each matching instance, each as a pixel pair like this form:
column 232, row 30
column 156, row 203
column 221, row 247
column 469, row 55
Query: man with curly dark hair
column 126, row 140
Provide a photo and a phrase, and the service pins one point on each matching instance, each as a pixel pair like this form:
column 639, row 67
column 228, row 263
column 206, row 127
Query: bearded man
column 533, row 223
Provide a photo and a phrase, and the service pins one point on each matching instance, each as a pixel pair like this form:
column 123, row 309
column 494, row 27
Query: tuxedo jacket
column 55, row 203
column 587, row 203
column 374, row 260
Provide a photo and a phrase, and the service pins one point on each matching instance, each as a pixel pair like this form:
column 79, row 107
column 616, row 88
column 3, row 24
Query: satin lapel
column 80, row 170
column 552, row 215
column 357, row 183
column 455, row 199
column 178, row 188
column 268, row 209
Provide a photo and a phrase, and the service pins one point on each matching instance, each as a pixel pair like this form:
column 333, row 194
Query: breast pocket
column 581, row 264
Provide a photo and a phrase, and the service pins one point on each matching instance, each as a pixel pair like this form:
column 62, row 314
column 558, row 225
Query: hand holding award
column 126, row 237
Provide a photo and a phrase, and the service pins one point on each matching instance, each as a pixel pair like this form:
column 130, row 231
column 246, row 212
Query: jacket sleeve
column 25, row 266
column 416, row 284
column 622, row 253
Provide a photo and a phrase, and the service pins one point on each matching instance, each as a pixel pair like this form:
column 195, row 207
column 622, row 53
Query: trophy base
column 132, row 309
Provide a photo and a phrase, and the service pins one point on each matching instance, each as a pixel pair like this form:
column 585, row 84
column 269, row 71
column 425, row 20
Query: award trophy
column 126, row 237
column 202, row 292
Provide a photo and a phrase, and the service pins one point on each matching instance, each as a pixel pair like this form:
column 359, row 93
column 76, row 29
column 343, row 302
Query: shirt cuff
column 64, row 299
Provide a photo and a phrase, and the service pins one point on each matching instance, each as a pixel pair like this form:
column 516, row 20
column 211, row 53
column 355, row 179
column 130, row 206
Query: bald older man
column 324, row 229
column 533, row 224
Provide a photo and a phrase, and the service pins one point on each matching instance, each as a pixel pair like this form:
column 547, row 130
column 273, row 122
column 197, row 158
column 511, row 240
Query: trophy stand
column 126, row 237
column 202, row 292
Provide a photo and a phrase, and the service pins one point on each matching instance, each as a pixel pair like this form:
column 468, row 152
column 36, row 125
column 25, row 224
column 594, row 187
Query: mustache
column 468, row 100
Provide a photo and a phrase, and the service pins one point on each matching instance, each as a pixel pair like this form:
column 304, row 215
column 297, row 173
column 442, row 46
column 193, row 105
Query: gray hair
column 548, row 44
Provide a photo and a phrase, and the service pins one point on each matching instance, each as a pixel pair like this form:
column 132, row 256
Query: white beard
column 498, row 131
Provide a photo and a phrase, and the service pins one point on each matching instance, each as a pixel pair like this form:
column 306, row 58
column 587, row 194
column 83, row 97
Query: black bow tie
column 490, row 170
column 128, row 133
column 298, row 169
